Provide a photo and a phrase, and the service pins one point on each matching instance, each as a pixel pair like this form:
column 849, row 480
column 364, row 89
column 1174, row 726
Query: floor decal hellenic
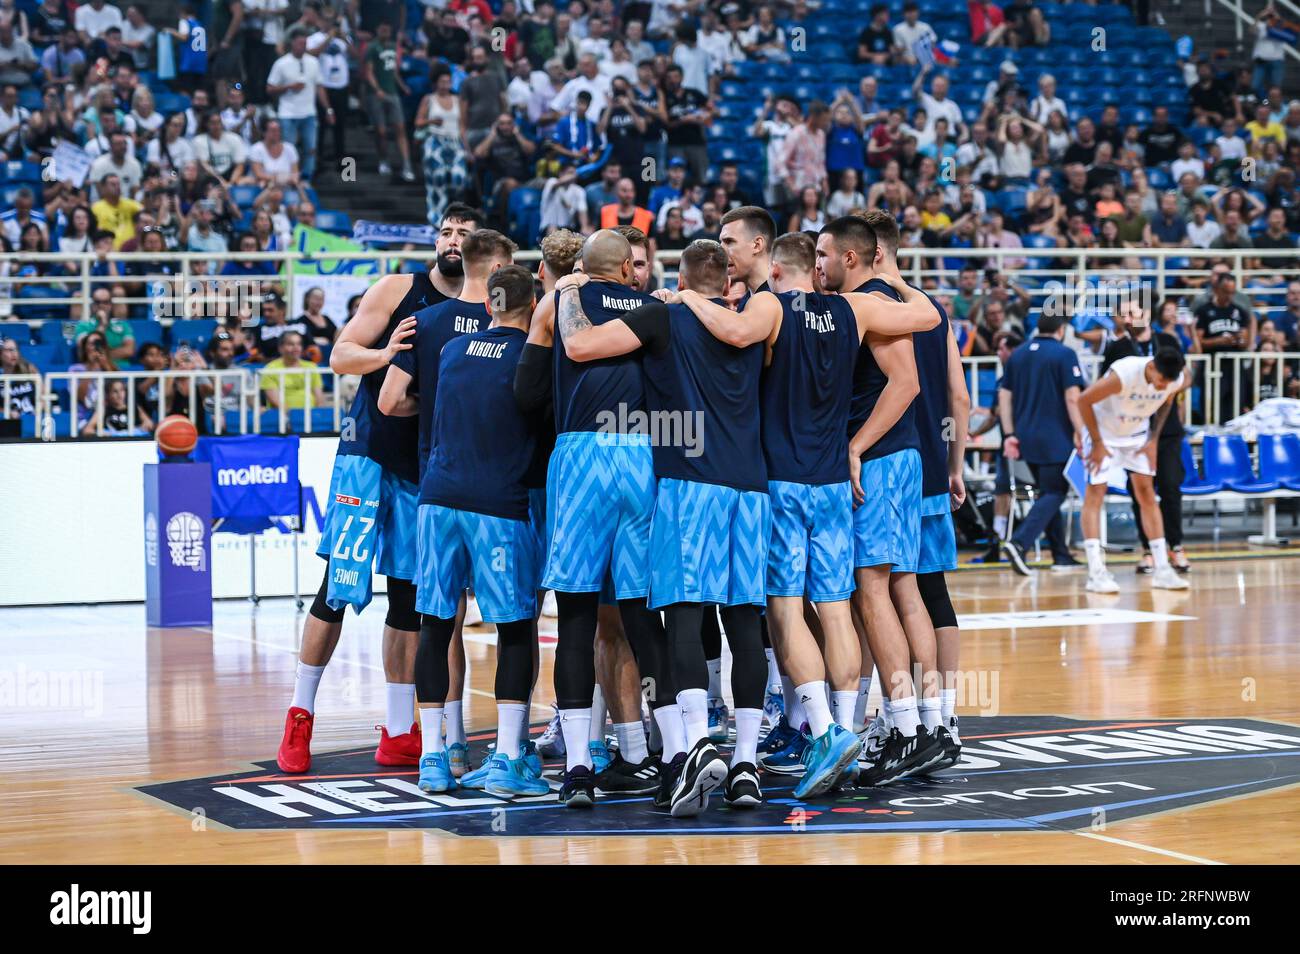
column 1018, row 773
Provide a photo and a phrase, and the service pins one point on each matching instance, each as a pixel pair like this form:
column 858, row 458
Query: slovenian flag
column 927, row 53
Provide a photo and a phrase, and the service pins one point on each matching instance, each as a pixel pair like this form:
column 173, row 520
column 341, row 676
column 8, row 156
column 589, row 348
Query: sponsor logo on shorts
column 349, row 501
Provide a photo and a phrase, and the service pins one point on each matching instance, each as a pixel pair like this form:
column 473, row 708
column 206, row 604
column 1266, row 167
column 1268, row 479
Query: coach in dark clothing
column 1036, row 402
column 1139, row 339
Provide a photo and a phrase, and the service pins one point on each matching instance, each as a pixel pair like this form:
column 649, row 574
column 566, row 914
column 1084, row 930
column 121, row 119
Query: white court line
column 373, row 668
column 1151, row 848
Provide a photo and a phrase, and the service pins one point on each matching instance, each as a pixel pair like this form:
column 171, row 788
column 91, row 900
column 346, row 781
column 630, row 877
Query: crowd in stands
column 979, row 125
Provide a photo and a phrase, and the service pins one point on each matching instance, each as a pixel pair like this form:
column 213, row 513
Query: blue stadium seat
column 1279, row 459
column 196, row 331
column 1227, row 461
column 168, row 103
column 245, row 195
column 1195, row 485
column 18, row 171
column 146, row 330
column 331, row 221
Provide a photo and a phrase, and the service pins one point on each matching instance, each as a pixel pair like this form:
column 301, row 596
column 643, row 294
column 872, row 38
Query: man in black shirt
column 273, row 327
column 1223, row 325
column 448, row 40
column 1084, row 147
column 1109, row 129
column 1138, row 338
column 688, row 115
column 1075, row 196
column 876, row 41
column 1209, row 100
column 729, row 180
column 1161, row 140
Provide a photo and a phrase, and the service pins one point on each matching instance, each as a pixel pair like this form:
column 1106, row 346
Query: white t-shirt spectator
column 721, row 48
column 1231, row 147
column 1180, row 167
column 1203, row 236
column 692, row 217
column 129, row 172
column 568, row 95
column 597, row 48
column 610, row 69
column 1267, row 48
column 560, row 205
column 143, row 34
column 288, row 69
column 94, row 23
column 221, row 155
column 1017, row 160
column 280, row 169
column 180, row 152
column 906, row 34
column 694, row 61
column 946, row 108
column 1042, row 107
column 982, row 161
column 239, row 123
column 333, row 60
column 11, row 123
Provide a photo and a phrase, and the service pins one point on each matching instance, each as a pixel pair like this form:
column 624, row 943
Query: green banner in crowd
column 308, row 241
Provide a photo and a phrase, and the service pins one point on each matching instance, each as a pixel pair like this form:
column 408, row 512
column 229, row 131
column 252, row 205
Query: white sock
column 715, row 678
column 931, row 712
column 1000, row 526
column 747, row 725
column 597, row 715
column 860, row 704
column 948, row 704
column 773, row 671
column 905, row 715
column 812, row 697
column 305, row 683
column 695, row 714
column 431, row 731
column 843, row 702
column 794, row 709
column 453, row 722
column 1159, row 553
column 401, row 707
column 887, row 711
column 575, row 725
column 631, row 741
column 510, row 728
column 656, row 734
column 669, row 720
column 1096, row 559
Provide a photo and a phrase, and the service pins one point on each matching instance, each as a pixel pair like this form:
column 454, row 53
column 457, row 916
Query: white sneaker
column 408, row 175
column 1167, row 578
column 472, row 615
column 873, row 740
column 1102, row 582
column 549, row 606
column 385, row 169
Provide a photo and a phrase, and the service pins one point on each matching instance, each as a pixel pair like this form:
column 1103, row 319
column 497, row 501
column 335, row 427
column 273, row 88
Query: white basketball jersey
column 1124, row 419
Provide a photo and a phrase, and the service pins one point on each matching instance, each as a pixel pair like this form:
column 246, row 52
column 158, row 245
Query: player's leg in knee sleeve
column 514, row 660
column 763, row 633
column 748, row 662
column 575, row 659
column 645, row 634
column 711, row 633
column 686, row 660
column 934, row 594
column 402, row 614
column 319, row 608
column 431, row 659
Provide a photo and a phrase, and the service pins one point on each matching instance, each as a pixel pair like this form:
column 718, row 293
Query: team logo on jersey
column 1017, row 773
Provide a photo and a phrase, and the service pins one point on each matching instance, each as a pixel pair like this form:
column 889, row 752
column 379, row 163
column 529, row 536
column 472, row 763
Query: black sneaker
column 902, row 756
column 669, row 772
column 622, row 777
column 951, row 751
column 1065, row 564
column 993, row 554
column 578, row 788
column 1146, row 564
column 741, row 788
column 1017, row 557
column 702, row 772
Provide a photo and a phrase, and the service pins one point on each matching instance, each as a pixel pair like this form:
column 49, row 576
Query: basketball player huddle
column 777, row 444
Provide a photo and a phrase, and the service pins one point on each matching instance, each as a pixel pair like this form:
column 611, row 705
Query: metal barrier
column 1228, row 367
column 8, row 382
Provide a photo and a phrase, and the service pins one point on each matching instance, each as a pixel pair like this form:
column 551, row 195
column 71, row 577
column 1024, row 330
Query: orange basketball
column 176, row 435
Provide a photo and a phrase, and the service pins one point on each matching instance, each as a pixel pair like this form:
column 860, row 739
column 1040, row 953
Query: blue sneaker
column 458, row 758
column 531, row 758
column 826, row 760
column 510, row 777
column 789, row 761
column 718, row 721
column 774, row 707
column 478, row 778
column 435, row 773
column 777, row 738
column 600, row 757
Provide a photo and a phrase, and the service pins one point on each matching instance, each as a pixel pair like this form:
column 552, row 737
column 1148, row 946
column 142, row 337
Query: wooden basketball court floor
column 159, row 705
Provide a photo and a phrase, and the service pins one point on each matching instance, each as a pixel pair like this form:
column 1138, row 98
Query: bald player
column 600, row 497
column 374, row 488
column 811, row 346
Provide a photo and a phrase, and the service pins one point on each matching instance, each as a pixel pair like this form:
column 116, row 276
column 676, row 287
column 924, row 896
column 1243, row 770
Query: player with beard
column 370, row 517
column 885, row 465
column 600, row 495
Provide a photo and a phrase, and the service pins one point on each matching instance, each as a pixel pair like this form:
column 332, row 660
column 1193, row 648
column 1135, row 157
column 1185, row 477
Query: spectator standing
column 803, row 160
column 624, row 126
column 94, row 18
column 625, row 211
column 912, row 29
column 1223, row 326
column 775, row 121
column 438, row 123
column 482, row 98
column 295, row 79
column 332, row 47
column 382, row 79
column 17, row 59
column 692, row 60
column 876, row 41
column 227, row 38
column 689, row 114
column 1269, row 53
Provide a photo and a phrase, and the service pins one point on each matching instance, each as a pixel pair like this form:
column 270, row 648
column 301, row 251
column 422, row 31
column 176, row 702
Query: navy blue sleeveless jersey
column 765, row 287
column 588, row 395
column 868, row 382
column 703, row 400
column 482, row 443
column 391, row 442
column 436, row 326
column 933, row 408
column 807, row 387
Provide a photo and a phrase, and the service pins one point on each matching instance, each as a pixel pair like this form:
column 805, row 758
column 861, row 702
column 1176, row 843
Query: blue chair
column 331, row 221
column 1194, row 485
column 1279, row 459
column 1227, row 459
column 196, row 331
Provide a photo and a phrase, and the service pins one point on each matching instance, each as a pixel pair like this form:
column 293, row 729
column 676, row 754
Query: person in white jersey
column 1123, row 413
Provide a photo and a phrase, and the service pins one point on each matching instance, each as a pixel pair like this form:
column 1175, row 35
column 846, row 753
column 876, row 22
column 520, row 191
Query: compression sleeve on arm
column 533, row 378
column 650, row 323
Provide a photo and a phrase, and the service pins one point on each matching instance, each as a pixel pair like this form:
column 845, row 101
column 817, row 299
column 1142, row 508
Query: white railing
column 1242, row 20
column 1230, row 367
column 210, row 391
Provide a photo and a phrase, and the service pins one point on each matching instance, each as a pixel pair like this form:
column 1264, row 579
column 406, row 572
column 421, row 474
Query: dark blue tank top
column 703, row 400
column 807, row 387
column 589, row 394
column 482, row 447
column 868, row 382
column 434, row 328
column 391, row 442
column 932, row 406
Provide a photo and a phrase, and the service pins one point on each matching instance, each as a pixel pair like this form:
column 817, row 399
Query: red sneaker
column 295, row 748
column 399, row 749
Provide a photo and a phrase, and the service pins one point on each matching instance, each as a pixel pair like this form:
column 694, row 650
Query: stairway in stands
column 1215, row 31
column 370, row 195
